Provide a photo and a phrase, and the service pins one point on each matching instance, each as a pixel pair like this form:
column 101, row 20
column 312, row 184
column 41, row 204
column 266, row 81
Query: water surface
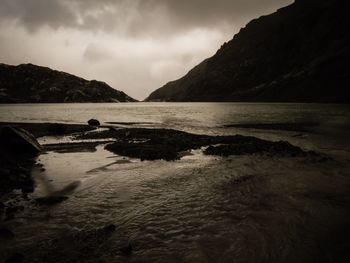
column 197, row 209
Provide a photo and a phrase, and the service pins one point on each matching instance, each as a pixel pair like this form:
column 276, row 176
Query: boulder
column 18, row 140
column 94, row 122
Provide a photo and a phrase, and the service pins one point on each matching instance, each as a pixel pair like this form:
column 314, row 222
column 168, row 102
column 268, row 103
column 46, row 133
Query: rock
column 94, row 122
column 170, row 145
column 18, row 140
column 256, row 146
column 127, row 250
column 5, row 233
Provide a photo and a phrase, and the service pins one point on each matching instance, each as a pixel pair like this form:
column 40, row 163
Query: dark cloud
column 33, row 14
column 137, row 17
column 134, row 45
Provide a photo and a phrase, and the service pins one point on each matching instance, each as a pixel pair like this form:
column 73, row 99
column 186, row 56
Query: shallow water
column 200, row 208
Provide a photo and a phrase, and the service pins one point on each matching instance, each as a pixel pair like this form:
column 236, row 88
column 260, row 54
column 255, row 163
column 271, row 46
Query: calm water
column 197, row 209
column 179, row 115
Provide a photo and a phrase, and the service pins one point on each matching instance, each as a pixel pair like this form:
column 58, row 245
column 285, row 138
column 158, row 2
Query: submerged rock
column 167, row 144
column 94, row 122
column 18, row 140
column 281, row 148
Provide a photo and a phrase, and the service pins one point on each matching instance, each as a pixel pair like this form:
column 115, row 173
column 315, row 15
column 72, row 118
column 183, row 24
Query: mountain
column 298, row 54
column 27, row 83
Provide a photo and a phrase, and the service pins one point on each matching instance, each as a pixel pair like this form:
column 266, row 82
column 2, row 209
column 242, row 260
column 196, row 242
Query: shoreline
column 142, row 143
column 171, row 145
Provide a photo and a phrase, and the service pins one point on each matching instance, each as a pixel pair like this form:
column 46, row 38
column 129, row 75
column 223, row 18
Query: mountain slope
column 298, row 54
column 27, row 83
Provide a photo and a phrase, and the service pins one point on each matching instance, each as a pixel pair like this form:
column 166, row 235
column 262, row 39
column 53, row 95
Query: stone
column 18, row 140
column 94, row 122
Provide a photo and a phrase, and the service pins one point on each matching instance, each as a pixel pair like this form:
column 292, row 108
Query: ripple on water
column 197, row 209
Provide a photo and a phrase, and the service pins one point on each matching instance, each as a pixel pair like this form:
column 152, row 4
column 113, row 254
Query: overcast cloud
column 133, row 45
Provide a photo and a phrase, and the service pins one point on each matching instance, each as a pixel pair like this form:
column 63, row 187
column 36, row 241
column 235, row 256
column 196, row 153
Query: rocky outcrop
column 169, row 145
column 27, row 83
column 298, row 54
column 18, row 140
column 94, row 122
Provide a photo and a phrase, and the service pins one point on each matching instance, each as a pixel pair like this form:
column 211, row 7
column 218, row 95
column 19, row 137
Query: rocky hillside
column 298, row 54
column 27, row 83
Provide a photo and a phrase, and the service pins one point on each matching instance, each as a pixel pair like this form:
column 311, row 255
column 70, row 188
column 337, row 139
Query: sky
column 135, row 46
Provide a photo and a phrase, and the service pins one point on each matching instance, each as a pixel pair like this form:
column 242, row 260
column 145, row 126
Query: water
column 190, row 116
column 197, row 209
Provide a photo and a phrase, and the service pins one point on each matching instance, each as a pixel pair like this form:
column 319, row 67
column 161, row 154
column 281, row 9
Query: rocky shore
column 141, row 143
column 17, row 161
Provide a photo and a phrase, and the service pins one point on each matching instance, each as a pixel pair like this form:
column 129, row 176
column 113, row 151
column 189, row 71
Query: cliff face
column 298, row 54
column 27, row 83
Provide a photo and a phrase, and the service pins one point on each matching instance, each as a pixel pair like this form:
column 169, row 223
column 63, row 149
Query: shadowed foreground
column 274, row 202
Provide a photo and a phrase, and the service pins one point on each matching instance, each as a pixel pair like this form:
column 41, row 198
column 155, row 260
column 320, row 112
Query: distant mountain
column 27, row 83
column 300, row 53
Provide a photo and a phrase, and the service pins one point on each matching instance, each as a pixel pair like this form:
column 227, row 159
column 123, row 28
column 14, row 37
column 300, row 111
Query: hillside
column 27, row 83
column 298, row 54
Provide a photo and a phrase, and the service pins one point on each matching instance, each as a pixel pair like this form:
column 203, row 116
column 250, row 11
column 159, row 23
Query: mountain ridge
column 29, row 83
column 297, row 54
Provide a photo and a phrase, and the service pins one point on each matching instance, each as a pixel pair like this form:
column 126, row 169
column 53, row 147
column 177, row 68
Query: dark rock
column 94, row 122
column 127, row 250
column 5, row 233
column 280, row 148
column 15, row 258
column 167, row 144
column 18, row 140
column 144, row 151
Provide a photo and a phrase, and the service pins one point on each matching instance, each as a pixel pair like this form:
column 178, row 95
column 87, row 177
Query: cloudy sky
column 133, row 45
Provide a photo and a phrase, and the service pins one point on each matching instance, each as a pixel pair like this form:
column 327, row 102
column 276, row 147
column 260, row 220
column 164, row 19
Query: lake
column 249, row 208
